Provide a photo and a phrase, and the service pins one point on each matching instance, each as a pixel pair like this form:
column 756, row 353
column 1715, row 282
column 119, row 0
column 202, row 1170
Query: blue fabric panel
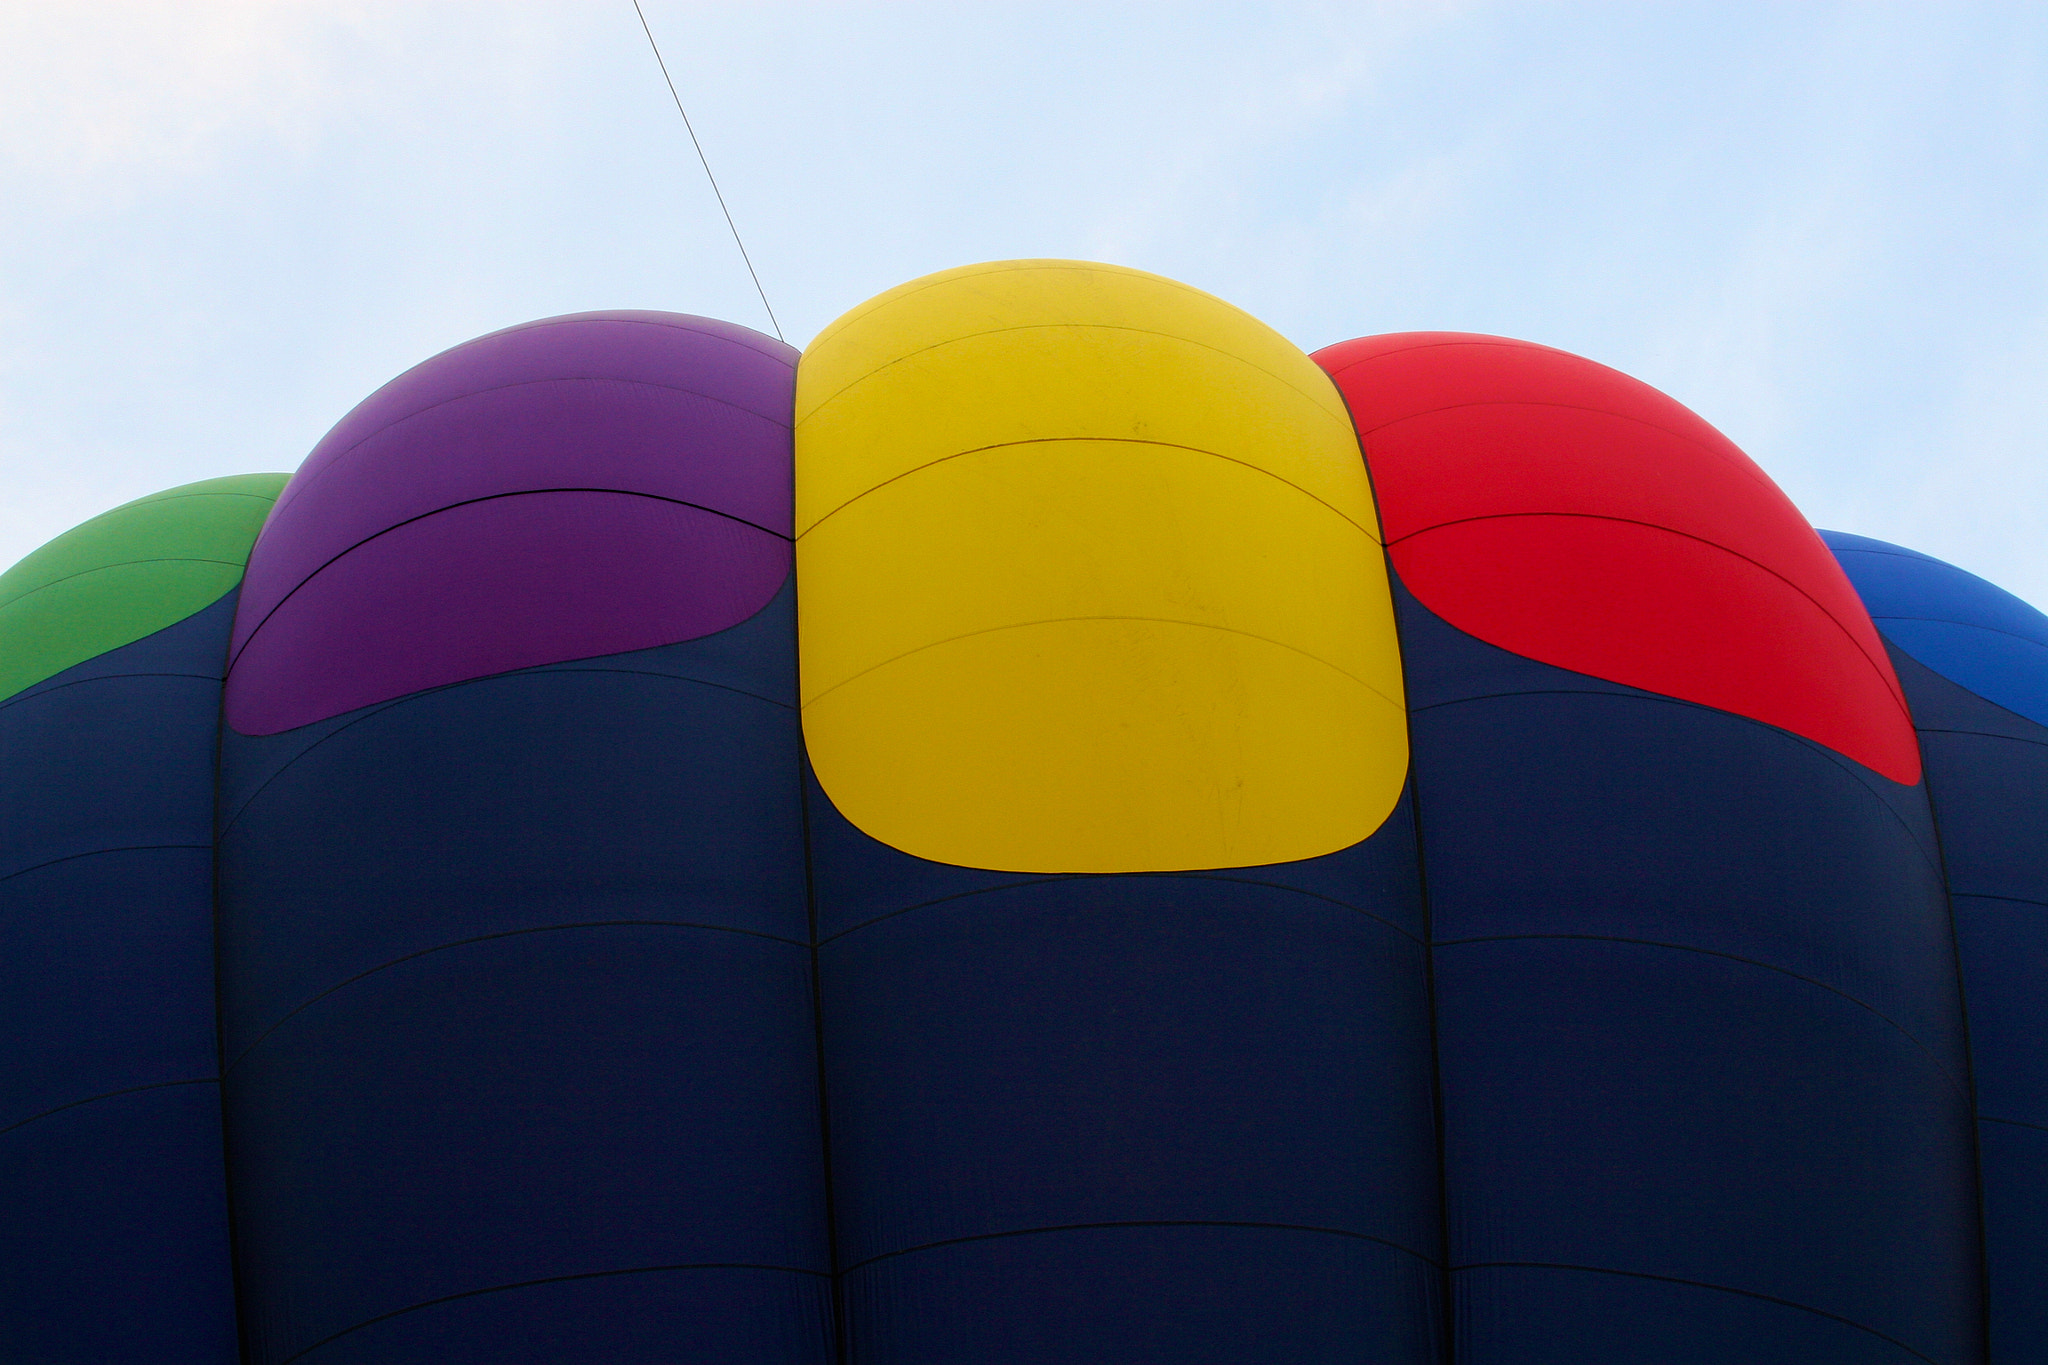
column 1987, row 773
column 1991, row 793
column 114, row 1233
column 2005, row 955
column 1027, row 1075
column 1658, row 1111
column 532, row 1106
column 1165, row 1048
column 1186, row 1295
column 195, row 647
column 107, row 763
column 1972, row 632
column 2015, row 1158
column 106, row 977
column 702, row 1316
column 111, row 1184
column 1697, row 1011
column 1553, row 1315
column 620, row 789
column 517, row 989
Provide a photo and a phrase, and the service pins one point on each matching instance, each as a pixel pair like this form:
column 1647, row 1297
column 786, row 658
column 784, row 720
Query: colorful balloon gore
column 1051, row 826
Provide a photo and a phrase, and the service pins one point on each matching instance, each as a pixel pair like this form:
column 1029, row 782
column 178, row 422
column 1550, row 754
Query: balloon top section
column 579, row 486
column 1090, row 579
column 1566, row 512
column 1090, row 559
column 1971, row 632
column 126, row 574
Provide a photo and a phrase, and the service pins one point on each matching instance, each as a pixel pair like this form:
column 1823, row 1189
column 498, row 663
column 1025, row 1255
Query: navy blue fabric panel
column 756, row 658
column 2015, row 1160
column 537, row 1105
column 1941, row 705
column 858, row 880
column 114, row 1233
column 115, row 762
column 1664, row 1112
column 1006, row 1056
column 106, row 977
column 699, row 1316
column 1595, row 810
column 194, row 647
column 570, row 794
column 111, row 1185
column 1697, row 1005
column 1987, row 774
column 1185, row 1295
column 1638, row 818
column 1555, row 1315
column 1109, row 1049
column 1991, row 793
column 2005, row 957
column 517, row 988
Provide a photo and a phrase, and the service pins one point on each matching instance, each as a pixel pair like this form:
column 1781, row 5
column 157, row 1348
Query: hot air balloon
column 1051, row 825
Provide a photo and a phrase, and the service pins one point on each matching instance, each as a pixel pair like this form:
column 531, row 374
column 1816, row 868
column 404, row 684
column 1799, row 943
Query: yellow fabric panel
column 1039, row 338
column 1089, row 580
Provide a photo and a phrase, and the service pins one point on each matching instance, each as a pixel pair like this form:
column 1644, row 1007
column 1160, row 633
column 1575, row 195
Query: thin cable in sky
column 707, row 171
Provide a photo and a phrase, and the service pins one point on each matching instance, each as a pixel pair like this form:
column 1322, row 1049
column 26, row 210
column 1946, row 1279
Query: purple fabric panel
column 496, row 585
column 722, row 359
column 681, row 408
column 572, row 433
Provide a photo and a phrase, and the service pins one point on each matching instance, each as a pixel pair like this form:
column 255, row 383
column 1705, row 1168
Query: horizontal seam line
column 941, row 900
column 549, row 1279
column 376, row 708
column 1988, row 896
column 1986, row 734
column 109, row 1095
column 1752, row 471
column 342, row 554
column 1371, row 532
column 395, row 422
column 575, row 666
column 1883, row 670
column 1966, row 625
column 2013, row 1123
column 944, row 342
column 97, row 853
column 1028, row 266
column 123, row 564
column 1846, row 764
column 1142, row 1223
column 1064, row 620
column 1696, row 1284
column 1114, row 876
column 1902, row 1030
column 27, row 695
column 344, row 984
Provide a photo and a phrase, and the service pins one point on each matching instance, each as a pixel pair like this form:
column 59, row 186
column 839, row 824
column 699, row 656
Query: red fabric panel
column 1576, row 516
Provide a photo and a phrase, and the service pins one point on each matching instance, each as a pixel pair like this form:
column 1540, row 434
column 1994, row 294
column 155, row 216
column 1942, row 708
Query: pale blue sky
column 1823, row 226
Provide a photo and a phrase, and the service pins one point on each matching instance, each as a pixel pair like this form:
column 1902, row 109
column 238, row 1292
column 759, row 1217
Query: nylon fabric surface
column 1974, row 633
column 127, row 574
column 1964, row 647
column 1700, row 1047
column 1091, row 578
column 113, row 1211
column 1129, row 1117
column 545, row 1004
column 1568, row 513
column 577, row 487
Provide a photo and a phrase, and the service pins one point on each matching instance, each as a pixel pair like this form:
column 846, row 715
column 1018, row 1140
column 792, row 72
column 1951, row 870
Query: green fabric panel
column 128, row 573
